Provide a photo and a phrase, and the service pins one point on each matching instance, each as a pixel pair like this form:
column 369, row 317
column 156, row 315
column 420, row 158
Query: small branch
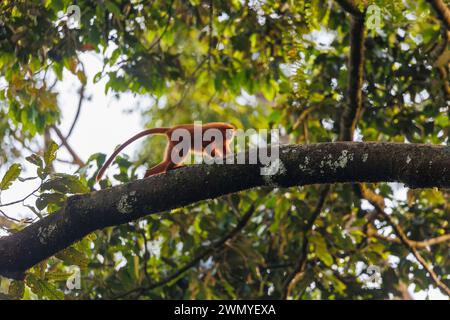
column 299, row 272
column 9, row 217
column 215, row 247
column 146, row 255
column 442, row 11
column 67, row 161
column 416, row 244
column 302, row 117
column 22, row 199
column 157, row 40
column 439, row 58
column 188, row 83
column 443, row 74
column 431, row 241
column 77, row 115
column 370, row 195
column 211, row 14
column 72, row 152
column 439, row 48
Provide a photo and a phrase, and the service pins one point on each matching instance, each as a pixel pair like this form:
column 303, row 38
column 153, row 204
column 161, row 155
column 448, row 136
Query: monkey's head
column 229, row 126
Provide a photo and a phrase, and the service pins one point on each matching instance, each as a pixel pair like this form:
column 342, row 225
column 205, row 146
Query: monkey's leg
column 183, row 154
column 177, row 167
column 159, row 168
column 215, row 151
column 168, row 163
column 227, row 148
column 174, row 166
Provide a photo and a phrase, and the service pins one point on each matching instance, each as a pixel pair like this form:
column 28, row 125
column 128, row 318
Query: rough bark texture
column 351, row 112
column 413, row 164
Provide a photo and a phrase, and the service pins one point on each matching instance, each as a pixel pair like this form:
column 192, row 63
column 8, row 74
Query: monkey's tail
column 141, row 134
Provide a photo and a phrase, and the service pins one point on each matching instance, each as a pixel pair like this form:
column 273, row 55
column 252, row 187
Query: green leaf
column 97, row 77
column 82, row 77
column 4, row 285
column 321, row 249
column 50, row 153
column 65, row 183
column 43, row 173
column 98, row 157
column 35, row 159
column 10, row 176
column 43, row 288
column 46, row 199
column 91, row 236
column 72, row 256
column 113, row 8
column 58, row 276
column 16, row 289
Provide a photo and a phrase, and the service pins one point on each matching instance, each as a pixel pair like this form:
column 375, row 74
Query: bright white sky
column 102, row 125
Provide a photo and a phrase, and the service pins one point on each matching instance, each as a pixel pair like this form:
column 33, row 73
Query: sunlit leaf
column 10, row 176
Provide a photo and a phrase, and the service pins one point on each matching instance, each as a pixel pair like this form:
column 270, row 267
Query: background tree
column 310, row 68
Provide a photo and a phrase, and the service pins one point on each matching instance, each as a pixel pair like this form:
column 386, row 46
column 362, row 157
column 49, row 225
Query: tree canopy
column 325, row 73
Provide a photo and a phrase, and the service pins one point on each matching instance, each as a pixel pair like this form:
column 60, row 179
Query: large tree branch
column 349, row 6
column 413, row 164
column 353, row 106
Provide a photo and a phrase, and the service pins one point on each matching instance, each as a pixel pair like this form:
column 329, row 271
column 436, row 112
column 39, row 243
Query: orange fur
column 167, row 163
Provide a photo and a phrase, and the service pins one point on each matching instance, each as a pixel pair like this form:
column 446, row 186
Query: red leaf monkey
column 224, row 130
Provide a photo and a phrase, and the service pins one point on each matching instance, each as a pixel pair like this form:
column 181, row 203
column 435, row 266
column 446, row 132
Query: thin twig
column 8, row 217
column 416, row 244
column 188, row 83
column 77, row 115
column 211, row 14
column 72, row 152
column 302, row 117
column 299, row 271
column 156, row 41
column 20, row 200
column 146, row 254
